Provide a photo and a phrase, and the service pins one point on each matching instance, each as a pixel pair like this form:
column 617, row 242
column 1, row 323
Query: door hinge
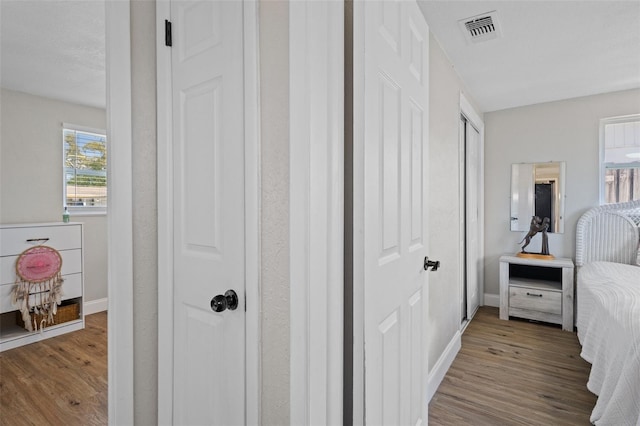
column 167, row 33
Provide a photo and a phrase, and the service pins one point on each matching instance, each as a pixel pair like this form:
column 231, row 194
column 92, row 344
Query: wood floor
column 514, row 373
column 507, row 373
column 59, row 381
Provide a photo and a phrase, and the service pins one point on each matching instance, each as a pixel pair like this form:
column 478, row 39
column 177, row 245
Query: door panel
column 416, row 374
column 389, row 401
column 395, row 112
column 387, row 15
column 417, row 174
column 389, row 199
column 208, row 194
column 200, row 115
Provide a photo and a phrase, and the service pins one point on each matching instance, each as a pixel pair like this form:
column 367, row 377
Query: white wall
column 31, row 173
column 444, row 200
column 567, row 131
column 274, row 109
column 145, row 215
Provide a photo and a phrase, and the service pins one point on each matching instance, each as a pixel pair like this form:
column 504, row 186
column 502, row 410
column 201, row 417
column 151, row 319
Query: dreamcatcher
column 38, row 287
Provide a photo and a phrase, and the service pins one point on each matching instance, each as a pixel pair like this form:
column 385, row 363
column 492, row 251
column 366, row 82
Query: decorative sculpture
column 533, row 230
column 537, row 225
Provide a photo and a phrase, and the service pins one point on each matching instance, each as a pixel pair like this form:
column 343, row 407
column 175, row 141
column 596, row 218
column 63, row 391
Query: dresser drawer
column 13, row 241
column 71, row 288
column 535, row 299
column 71, row 264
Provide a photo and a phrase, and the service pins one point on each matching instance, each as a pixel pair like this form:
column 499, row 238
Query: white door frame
column 467, row 110
column 252, row 216
column 120, row 213
column 316, row 43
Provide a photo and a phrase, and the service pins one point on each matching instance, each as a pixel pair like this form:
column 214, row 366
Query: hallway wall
column 444, row 200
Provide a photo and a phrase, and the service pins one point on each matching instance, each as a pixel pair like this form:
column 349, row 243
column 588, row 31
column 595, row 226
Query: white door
column 472, row 150
column 396, row 101
column 208, row 194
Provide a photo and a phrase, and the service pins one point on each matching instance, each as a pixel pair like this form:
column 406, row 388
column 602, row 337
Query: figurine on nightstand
column 537, row 225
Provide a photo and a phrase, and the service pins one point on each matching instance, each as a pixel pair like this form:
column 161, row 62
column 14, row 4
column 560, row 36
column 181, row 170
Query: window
column 85, row 169
column 620, row 159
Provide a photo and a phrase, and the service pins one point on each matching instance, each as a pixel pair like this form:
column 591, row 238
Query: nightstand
column 537, row 289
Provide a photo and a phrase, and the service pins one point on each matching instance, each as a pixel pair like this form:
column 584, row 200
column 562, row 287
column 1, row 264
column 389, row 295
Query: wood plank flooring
column 59, row 381
column 514, row 373
column 507, row 373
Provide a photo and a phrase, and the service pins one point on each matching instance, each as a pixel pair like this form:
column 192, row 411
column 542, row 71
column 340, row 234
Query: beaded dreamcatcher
column 38, row 287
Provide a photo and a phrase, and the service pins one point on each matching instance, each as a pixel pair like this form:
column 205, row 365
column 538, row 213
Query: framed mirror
column 537, row 189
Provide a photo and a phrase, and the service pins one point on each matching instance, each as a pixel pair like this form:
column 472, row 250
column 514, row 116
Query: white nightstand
column 537, row 289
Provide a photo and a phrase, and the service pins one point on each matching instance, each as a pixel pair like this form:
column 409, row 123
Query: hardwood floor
column 59, row 381
column 507, row 373
column 514, row 373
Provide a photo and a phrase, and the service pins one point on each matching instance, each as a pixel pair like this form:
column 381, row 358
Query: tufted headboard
column 609, row 233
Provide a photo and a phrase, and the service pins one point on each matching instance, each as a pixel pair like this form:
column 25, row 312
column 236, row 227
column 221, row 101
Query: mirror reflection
column 537, row 189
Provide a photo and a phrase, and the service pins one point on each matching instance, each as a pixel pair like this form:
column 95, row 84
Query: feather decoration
column 38, row 280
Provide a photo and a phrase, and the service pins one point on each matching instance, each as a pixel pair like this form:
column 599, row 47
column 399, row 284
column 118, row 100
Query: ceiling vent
column 481, row 27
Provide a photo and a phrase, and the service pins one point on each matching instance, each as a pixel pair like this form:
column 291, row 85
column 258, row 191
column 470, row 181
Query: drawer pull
column 33, row 240
column 39, row 292
column 533, row 294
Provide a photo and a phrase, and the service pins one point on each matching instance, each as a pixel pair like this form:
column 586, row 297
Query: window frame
column 82, row 210
column 602, row 167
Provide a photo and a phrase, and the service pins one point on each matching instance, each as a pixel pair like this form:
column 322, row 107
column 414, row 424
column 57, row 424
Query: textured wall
column 567, row 131
column 274, row 93
column 444, row 200
column 31, row 173
column 145, row 217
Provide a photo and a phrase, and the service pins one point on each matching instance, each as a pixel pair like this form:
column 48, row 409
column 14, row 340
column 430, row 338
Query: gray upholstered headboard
column 608, row 233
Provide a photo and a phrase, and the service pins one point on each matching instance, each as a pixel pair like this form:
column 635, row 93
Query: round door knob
column 222, row 302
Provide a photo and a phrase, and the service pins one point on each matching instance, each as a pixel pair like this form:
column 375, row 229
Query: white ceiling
column 549, row 50
column 55, row 49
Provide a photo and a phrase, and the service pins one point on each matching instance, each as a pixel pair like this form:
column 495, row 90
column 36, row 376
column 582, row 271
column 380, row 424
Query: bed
column 608, row 309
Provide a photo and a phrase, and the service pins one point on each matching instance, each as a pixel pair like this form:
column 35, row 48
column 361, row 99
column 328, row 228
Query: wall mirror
column 537, row 189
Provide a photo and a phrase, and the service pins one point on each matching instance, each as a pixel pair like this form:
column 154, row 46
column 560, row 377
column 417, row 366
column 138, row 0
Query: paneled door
column 392, row 38
column 208, row 213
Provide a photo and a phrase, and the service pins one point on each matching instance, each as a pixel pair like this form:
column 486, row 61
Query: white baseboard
column 492, row 300
column 95, row 306
column 439, row 370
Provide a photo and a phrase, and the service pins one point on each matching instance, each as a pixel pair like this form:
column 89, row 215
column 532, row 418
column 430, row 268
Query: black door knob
column 222, row 302
column 433, row 264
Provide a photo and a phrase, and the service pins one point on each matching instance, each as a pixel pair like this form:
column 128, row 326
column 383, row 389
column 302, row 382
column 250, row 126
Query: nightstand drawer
column 535, row 299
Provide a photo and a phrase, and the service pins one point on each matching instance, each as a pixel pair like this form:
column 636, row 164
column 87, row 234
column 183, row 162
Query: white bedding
column 608, row 322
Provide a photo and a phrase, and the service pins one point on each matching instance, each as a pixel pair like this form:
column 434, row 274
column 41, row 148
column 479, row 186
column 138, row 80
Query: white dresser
column 67, row 239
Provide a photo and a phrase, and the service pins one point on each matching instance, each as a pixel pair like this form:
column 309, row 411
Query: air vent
column 481, row 27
